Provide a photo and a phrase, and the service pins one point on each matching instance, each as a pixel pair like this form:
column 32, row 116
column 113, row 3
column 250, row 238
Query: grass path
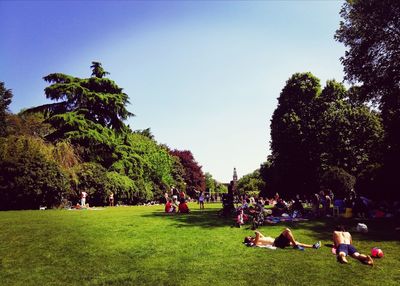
column 144, row 246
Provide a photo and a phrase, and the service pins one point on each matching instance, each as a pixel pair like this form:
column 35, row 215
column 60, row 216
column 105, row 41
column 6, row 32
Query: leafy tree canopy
column 193, row 175
column 5, row 100
column 313, row 129
column 371, row 31
column 93, row 104
column 251, row 183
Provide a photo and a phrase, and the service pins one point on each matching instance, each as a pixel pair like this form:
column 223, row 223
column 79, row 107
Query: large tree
column 314, row 130
column 371, row 31
column 251, row 184
column 193, row 175
column 5, row 101
column 89, row 112
column 293, row 136
column 348, row 136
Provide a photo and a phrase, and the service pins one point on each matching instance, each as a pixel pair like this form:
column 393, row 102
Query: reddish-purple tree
column 194, row 177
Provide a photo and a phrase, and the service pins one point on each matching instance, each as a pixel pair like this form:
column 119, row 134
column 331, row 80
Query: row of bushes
column 34, row 173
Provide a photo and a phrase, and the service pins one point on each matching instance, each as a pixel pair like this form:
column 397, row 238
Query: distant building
column 235, row 177
column 233, row 184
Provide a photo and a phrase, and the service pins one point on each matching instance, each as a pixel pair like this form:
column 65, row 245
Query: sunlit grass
column 144, row 246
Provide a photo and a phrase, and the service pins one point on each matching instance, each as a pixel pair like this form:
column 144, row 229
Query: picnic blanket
column 277, row 219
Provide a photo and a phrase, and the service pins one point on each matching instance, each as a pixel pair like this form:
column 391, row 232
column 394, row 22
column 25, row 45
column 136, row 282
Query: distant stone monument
column 233, row 183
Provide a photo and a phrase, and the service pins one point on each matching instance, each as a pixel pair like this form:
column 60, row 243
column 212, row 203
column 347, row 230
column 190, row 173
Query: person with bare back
column 342, row 241
column 286, row 238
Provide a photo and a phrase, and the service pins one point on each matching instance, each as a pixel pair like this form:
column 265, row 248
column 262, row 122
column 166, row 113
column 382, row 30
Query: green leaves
column 313, row 130
column 29, row 175
column 92, row 145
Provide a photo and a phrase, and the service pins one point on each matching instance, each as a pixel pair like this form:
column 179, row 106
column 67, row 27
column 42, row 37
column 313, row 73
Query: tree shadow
column 198, row 218
column 379, row 230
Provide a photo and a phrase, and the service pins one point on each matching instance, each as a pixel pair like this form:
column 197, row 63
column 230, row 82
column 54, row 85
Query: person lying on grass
column 285, row 239
column 343, row 243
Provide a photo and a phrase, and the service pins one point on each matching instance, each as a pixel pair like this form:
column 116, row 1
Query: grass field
column 144, row 246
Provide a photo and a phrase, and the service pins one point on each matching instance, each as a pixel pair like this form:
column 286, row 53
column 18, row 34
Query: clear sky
column 204, row 76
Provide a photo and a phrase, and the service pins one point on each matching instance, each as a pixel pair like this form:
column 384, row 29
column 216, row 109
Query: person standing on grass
column 201, row 200
column 286, row 238
column 83, row 198
column 111, row 199
column 342, row 241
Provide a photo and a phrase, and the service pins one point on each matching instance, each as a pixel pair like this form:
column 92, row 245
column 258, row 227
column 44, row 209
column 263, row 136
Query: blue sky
column 203, row 75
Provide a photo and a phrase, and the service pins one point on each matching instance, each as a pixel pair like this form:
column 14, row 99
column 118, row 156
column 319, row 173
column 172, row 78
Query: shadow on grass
column 206, row 218
column 379, row 229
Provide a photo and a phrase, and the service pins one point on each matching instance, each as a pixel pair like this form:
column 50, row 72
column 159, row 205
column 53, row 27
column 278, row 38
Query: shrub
column 29, row 178
column 92, row 179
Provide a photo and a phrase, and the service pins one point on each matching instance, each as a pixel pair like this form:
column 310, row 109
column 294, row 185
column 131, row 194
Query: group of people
column 176, row 201
column 175, row 206
column 85, row 195
column 342, row 244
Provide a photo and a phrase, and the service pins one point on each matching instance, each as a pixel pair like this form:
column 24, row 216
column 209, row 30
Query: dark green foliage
column 143, row 160
column 121, row 186
column 370, row 30
column 293, row 136
column 97, row 70
column 213, row 186
column 93, row 147
column 85, row 108
column 370, row 181
column 210, row 183
column 251, row 183
column 312, row 130
column 348, row 136
column 92, row 179
column 337, row 180
column 145, row 132
column 31, row 124
column 5, row 101
column 99, row 183
column 29, row 178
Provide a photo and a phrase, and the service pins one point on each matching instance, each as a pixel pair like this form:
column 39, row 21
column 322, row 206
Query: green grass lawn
column 144, row 246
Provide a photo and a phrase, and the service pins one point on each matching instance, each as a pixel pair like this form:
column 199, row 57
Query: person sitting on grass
column 183, row 207
column 279, row 208
column 285, row 239
column 169, row 207
column 342, row 241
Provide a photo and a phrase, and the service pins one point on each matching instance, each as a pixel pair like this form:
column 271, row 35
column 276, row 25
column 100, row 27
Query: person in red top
column 183, row 207
column 169, row 208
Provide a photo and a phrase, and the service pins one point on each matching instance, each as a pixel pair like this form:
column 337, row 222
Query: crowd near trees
column 50, row 153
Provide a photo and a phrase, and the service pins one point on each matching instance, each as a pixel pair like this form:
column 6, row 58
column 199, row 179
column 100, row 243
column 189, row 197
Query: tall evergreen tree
column 89, row 112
